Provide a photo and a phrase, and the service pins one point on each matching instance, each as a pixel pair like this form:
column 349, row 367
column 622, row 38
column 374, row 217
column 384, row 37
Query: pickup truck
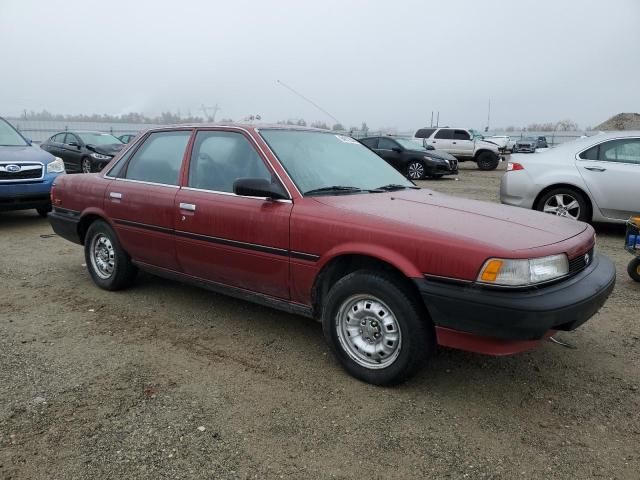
column 26, row 172
column 462, row 144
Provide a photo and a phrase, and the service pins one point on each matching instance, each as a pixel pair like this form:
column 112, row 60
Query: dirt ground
column 168, row 381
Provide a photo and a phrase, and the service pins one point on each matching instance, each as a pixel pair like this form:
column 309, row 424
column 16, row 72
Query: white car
column 590, row 179
column 500, row 140
column 462, row 144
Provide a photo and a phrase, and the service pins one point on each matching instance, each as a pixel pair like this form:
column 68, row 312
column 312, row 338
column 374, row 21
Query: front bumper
column 26, row 195
column 520, row 315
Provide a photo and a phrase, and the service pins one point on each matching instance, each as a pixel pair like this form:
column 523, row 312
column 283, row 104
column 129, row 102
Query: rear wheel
column 415, row 170
column 43, row 211
column 487, row 161
column 633, row 269
column 85, row 165
column 109, row 265
column 565, row 202
column 378, row 332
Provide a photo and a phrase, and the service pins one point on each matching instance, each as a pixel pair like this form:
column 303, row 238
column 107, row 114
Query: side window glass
column 461, row 135
column 218, row 159
column 444, row 134
column 59, row 138
column 159, row 159
column 591, row 154
column 370, row 142
column 623, row 151
column 70, row 138
column 425, row 132
column 386, row 144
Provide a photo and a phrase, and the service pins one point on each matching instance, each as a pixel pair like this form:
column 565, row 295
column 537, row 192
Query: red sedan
column 314, row 223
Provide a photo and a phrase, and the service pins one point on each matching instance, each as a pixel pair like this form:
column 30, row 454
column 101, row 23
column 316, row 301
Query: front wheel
column 487, row 161
column 379, row 333
column 415, row 170
column 109, row 265
column 633, row 269
column 86, row 165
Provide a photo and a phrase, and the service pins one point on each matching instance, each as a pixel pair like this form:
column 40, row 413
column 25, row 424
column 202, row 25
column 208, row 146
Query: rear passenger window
column 444, row 134
column 370, row 142
column 591, row 154
column 622, row 151
column 425, row 132
column 159, row 158
column 218, row 159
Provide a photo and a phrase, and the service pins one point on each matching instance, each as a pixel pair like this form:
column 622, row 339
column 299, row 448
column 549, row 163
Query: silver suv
column 462, row 144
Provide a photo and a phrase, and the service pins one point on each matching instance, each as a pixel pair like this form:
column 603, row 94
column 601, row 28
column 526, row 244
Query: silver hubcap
column 563, row 205
column 103, row 257
column 86, row 166
column 416, row 170
column 368, row 331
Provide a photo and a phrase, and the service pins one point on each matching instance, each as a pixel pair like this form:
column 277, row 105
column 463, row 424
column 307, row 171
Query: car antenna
column 308, row 100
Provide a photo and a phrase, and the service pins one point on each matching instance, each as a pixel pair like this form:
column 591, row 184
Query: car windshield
column 9, row 137
column 410, row 144
column 336, row 163
column 98, row 138
column 529, row 139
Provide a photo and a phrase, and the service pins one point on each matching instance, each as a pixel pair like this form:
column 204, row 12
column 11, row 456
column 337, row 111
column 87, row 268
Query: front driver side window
column 220, row 158
column 159, row 159
column 386, row 144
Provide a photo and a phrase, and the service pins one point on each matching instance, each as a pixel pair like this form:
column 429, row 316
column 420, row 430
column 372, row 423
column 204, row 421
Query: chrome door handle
column 188, row 206
column 115, row 195
column 454, row 143
column 596, row 169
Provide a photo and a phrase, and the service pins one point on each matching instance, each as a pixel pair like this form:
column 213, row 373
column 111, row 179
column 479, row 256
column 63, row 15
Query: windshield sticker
column 346, row 139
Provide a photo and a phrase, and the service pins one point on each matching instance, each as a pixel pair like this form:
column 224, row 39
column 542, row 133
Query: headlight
column 57, row 166
column 520, row 273
column 99, row 156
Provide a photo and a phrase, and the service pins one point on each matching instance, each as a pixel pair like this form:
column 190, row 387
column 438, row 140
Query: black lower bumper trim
column 65, row 225
column 520, row 315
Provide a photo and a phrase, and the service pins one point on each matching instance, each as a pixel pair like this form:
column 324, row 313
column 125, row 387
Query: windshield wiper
column 395, row 186
column 333, row 189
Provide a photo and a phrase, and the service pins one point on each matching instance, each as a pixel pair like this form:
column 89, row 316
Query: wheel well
column 546, row 190
column 342, row 266
column 483, row 150
column 84, row 224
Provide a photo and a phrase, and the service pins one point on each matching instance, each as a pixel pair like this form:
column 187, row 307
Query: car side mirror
column 28, row 140
column 430, row 147
column 259, row 187
column 397, row 149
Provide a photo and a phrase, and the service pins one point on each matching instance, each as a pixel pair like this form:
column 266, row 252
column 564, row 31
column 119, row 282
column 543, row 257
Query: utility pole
column 431, row 119
column 208, row 118
column 488, row 116
column 438, row 120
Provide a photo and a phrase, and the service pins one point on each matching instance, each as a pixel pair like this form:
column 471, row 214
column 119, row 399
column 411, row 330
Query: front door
column 226, row 238
column 386, row 150
column 71, row 152
column 140, row 200
column 611, row 171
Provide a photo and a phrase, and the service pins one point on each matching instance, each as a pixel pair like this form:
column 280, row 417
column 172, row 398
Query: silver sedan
column 591, row 179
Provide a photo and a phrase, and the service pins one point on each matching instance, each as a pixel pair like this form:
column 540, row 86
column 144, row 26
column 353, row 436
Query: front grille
column 26, row 172
column 580, row 262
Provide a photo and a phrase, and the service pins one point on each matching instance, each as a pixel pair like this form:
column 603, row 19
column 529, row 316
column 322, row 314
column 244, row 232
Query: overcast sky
column 389, row 63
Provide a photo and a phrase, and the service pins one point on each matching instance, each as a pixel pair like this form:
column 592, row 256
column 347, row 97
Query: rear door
column 611, row 171
column 462, row 143
column 442, row 140
column 226, row 238
column 140, row 201
column 54, row 145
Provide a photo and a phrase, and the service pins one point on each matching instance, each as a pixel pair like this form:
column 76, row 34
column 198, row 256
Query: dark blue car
column 26, row 172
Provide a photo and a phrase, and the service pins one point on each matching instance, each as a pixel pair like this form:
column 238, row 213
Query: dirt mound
column 621, row 121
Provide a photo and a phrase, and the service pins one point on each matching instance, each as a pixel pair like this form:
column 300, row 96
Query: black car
column 83, row 151
column 542, row 142
column 411, row 158
column 127, row 137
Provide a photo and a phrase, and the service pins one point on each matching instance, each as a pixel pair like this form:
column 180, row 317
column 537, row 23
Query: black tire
column 123, row 272
column 584, row 214
column 487, row 160
column 416, row 339
column 43, row 211
column 633, row 269
column 437, row 176
column 86, row 165
column 416, row 170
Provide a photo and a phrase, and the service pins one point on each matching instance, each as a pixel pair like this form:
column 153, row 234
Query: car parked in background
column 500, row 140
column 314, row 223
column 526, row 145
column 411, row 158
column 83, row 151
column 462, row 144
column 127, row 137
column 26, row 172
column 590, row 179
column 541, row 142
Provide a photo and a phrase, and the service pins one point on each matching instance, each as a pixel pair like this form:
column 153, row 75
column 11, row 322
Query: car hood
column 439, row 154
column 24, row 154
column 111, row 149
column 487, row 144
column 526, row 142
column 492, row 224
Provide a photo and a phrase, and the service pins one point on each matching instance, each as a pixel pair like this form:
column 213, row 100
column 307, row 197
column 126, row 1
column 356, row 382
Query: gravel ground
column 168, row 381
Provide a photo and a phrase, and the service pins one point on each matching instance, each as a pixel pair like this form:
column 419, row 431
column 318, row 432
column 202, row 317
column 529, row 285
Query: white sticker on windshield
column 345, row 139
